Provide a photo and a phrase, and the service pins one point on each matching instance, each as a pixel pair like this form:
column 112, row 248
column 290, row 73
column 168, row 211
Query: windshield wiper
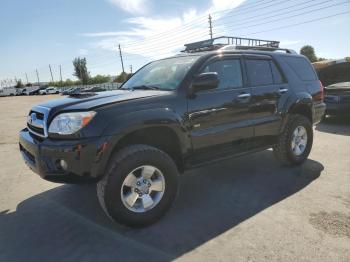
column 145, row 87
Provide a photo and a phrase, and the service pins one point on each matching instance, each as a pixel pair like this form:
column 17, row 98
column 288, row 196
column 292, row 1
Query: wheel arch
column 302, row 105
column 161, row 128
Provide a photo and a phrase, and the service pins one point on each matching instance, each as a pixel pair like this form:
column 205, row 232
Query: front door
column 219, row 117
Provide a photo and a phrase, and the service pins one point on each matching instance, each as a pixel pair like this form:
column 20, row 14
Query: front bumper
column 85, row 158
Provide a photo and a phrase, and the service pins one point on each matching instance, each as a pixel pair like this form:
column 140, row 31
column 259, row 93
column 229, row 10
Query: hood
column 87, row 101
column 342, row 89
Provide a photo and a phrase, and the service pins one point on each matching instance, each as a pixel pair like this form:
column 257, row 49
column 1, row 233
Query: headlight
column 69, row 123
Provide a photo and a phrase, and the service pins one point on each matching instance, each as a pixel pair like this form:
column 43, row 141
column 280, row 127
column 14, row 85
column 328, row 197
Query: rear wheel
column 139, row 187
column 295, row 143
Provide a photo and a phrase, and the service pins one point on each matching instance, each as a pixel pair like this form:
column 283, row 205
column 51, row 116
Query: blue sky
column 36, row 33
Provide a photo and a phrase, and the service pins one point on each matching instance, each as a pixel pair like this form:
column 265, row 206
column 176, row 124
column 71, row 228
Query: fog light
column 63, row 164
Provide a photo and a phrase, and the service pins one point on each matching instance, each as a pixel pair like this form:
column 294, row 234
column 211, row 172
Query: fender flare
column 158, row 117
column 300, row 99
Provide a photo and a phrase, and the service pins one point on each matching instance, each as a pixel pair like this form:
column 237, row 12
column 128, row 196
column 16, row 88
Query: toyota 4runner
column 209, row 103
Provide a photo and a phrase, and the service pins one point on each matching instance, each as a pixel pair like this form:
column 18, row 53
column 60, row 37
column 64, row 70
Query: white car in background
column 49, row 90
column 8, row 91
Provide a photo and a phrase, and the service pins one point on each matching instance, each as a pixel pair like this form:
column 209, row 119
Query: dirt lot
column 245, row 209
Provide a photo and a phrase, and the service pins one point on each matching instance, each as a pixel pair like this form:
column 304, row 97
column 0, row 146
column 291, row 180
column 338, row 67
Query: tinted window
column 301, row 67
column 277, row 77
column 259, row 72
column 229, row 72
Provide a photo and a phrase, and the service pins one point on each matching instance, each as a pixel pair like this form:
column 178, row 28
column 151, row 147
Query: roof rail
column 207, row 45
column 258, row 48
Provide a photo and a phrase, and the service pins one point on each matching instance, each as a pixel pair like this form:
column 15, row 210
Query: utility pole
column 51, row 73
column 130, row 69
column 61, row 73
column 210, row 27
column 27, row 78
column 37, row 76
column 121, row 60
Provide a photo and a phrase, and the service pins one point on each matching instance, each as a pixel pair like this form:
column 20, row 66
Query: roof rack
column 237, row 43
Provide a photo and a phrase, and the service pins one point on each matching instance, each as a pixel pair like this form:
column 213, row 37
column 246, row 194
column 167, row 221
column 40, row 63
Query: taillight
column 319, row 96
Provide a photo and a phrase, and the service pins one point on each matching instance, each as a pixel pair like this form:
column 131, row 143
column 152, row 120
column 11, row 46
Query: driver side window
column 229, row 72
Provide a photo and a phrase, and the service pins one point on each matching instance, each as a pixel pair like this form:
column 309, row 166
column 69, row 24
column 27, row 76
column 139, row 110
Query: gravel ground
column 244, row 209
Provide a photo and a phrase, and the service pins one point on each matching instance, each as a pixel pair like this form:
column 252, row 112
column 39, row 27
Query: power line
column 296, row 24
column 254, row 18
column 191, row 23
column 291, row 16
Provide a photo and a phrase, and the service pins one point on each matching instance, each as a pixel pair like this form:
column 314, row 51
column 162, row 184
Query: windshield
column 164, row 74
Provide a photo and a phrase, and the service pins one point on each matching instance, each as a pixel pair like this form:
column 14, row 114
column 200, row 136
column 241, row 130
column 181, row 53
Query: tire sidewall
column 117, row 175
column 304, row 122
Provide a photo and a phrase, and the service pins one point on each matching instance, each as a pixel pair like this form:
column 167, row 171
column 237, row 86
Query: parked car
column 8, row 91
column 337, row 99
column 72, row 90
column 174, row 114
column 49, row 90
column 24, row 92
column 93, row 89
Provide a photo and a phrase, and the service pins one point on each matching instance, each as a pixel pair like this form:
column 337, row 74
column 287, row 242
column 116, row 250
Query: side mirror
column 205, row 81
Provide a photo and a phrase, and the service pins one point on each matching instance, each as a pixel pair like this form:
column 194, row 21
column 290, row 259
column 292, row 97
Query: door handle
column 283, row 90
column 244, row 95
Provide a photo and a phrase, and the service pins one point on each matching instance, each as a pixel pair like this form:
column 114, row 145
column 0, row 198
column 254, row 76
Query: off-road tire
column 121, row 164
column 283, row 149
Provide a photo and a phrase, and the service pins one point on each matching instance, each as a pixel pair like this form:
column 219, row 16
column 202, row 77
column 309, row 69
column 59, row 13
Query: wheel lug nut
column 144, row 181
column 140, row 194
column 138, row 183
column 149, row 184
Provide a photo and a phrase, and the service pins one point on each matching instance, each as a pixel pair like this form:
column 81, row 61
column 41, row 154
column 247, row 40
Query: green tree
column 80, row 70
column 122, row 77
column 18, row 84
column 99, row 79
column 347, row 59
column 309, row 52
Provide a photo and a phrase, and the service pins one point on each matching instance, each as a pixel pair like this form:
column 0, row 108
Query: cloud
column 131, row 6
column 155, row 37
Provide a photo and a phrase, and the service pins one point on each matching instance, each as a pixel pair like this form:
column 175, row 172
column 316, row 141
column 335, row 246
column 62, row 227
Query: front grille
column 37, row 130
column 36, row 122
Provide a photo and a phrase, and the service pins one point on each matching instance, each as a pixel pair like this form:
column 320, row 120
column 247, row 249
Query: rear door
column 267, row 87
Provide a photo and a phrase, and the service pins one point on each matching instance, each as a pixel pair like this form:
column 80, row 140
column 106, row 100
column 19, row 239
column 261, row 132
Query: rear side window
column 301, row 67
column 259, row 72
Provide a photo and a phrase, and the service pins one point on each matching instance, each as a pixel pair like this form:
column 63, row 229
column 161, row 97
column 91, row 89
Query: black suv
column 172, row 115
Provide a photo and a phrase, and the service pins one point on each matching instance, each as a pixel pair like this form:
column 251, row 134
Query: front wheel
column 139, row 187
column 295, row 143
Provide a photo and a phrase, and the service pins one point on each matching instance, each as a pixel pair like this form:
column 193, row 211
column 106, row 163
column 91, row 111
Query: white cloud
column 131, row 6
column 155, row 37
